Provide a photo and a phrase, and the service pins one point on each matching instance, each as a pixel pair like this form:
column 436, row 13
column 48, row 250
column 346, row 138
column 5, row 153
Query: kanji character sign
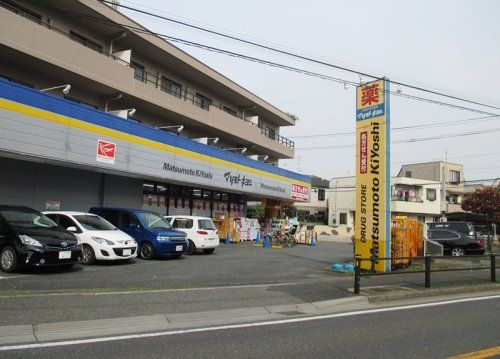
column 370, row 95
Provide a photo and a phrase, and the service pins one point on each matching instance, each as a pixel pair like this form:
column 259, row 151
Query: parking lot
column 236, row 264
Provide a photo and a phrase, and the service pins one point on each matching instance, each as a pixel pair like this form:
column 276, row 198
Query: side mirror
column 72, row 229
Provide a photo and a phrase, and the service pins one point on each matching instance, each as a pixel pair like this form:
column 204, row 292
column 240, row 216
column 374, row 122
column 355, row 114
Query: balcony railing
column 407, row 199
column 150, row 78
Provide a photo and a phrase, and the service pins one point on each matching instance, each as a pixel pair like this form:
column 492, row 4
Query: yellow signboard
column 372, row 230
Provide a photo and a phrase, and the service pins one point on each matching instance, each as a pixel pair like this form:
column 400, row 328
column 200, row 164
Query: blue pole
column 257, row 240
column 228, row 239
column 313, row 242
column 266, row 241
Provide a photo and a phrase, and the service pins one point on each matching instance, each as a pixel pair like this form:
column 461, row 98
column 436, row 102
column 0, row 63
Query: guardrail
column 358, row 272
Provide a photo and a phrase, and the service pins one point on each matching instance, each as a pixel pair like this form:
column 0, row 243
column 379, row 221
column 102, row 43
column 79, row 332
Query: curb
column 410, row 294
column 50, row 332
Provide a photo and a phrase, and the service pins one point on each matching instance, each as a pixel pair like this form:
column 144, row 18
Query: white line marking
column 242, row 286
column 239, row 326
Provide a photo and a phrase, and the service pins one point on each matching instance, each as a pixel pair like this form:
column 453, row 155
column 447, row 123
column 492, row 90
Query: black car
column 28, row 237
column 466, row 228
column 456, row 243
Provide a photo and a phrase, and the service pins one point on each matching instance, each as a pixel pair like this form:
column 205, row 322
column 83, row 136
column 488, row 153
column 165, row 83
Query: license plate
column 178, row 248
column 127, row 252
column 65, row 255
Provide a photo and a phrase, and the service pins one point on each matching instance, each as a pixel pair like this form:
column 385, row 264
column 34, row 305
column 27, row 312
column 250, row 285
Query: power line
column 403, row 128
column 411, row 140
column 343, row 68
column 266, row 62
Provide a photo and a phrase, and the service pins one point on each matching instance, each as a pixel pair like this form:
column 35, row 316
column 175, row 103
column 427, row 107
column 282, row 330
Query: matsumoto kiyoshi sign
column 372, row 225
column 64, row 132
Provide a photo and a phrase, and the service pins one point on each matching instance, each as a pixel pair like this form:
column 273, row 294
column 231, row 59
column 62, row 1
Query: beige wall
column 58, row 57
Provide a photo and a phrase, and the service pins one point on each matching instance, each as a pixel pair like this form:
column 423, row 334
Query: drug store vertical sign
column 372, row 230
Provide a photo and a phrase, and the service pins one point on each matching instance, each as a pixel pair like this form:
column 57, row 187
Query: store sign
column 372, row 226
column 106, row 152
column 300, row 193
column 133, row 150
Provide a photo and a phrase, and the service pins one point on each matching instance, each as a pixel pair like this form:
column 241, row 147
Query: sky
column 447, row 46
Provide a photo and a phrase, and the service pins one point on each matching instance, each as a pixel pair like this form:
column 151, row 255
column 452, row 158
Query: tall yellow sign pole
column 372, row 231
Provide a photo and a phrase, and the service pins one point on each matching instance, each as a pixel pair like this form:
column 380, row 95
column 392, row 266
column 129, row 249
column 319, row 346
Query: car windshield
column 206, row 224
column 153, row 221
column 27, row 219
column 94, row 223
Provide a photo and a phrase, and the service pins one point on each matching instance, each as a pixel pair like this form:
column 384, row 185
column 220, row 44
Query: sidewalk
column 374, row 296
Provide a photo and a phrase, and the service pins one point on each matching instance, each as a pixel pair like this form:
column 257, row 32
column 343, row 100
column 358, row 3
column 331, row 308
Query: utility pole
column 443, row 189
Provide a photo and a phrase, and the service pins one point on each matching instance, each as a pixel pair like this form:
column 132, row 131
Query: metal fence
column 428, row 261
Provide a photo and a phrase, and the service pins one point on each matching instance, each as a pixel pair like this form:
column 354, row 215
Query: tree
column 256, row 212
column 484, row 201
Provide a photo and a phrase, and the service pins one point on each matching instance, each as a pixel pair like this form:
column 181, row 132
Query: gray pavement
column 431, row 330
column 235, row 277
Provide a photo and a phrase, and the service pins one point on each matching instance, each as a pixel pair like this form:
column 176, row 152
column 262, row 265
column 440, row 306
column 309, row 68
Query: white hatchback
column 201, row 232
column 100, row 240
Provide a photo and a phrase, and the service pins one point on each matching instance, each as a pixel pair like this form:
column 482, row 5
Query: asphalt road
column 237, row 276
column 429, row 332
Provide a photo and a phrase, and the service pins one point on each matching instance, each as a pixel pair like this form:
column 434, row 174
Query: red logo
column 106, row 151
column 363, row 152
column 370, row 95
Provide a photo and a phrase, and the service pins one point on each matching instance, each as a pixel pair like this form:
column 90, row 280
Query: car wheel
column 191, row 248
column 146, row 251
column 88, row 255
column 457, row 252
column 208, row 250
column 8, row 260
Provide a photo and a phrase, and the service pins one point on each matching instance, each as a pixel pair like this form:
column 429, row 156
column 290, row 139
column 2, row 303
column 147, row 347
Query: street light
column 179, row 128
column 66, row 88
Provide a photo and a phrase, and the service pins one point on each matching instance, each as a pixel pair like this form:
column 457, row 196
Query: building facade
column 97, row 111
column 412, row 198
column 318, row 205
column 451, row 177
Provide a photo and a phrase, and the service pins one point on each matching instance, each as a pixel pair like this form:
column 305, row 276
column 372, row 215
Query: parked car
column 456, row 243
column 154, row 235
column 201, row 232
column 100, row 239
column 466, row 228
column 28, row 237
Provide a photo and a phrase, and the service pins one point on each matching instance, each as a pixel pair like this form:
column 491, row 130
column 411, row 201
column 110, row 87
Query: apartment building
column 97, row 110
column 412, row 198
column 450, row 175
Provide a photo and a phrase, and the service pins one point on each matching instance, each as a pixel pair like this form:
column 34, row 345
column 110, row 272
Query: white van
column 201, row 232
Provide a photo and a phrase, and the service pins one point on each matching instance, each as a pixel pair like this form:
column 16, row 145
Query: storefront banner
column 62, row 132
column 372, row 227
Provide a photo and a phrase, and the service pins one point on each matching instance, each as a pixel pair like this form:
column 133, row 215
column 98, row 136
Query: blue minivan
column 154, row 235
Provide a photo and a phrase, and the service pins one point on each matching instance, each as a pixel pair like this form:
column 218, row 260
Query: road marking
column 239, row 326
column 68, row 292
column 10, row 277
column 482, row 354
